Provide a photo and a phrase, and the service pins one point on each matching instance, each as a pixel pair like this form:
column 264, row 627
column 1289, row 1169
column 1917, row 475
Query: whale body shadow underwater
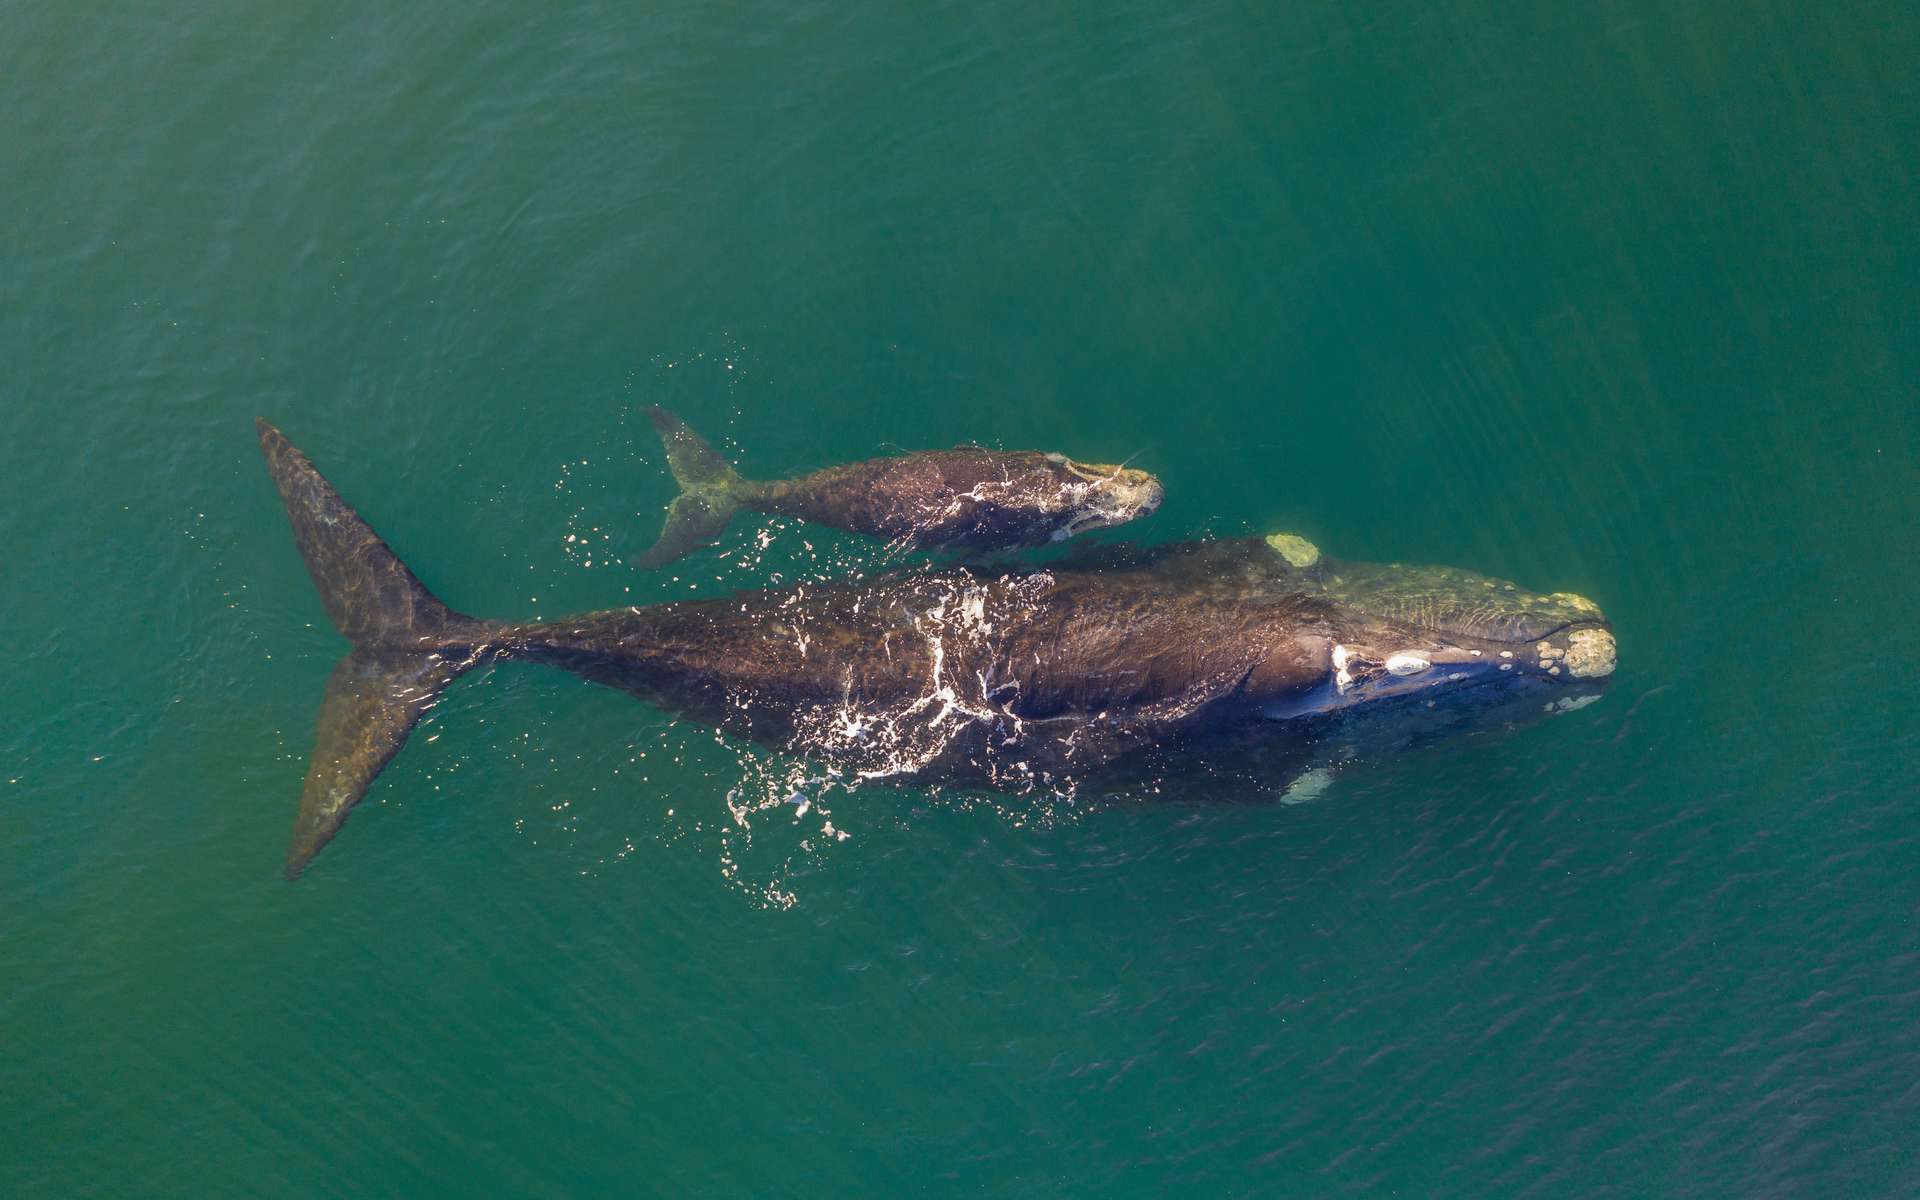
column 1189, row 661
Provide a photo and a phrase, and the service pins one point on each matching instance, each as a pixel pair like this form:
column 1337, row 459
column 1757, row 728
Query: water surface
column 1611, row 298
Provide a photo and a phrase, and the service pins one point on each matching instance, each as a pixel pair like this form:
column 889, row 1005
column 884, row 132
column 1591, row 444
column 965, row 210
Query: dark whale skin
column 966, row 498
column 1010, row 678
column 972, row 675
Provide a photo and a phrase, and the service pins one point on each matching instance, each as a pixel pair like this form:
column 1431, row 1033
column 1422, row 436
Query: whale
column 966, row 498
column 1127, row 662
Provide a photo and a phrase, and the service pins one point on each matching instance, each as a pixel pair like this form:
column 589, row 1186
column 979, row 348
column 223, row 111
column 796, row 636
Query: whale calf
column 965, row 498
column 1014, row 678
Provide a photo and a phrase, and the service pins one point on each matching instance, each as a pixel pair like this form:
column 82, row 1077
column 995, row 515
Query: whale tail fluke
column 711, row 491
column 407, row 646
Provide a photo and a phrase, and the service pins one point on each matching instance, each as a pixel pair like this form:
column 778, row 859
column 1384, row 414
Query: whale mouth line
column 1081, row 522
column 1094, row 514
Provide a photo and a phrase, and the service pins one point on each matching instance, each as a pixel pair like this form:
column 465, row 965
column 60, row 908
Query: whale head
column 1097, row 495
column 1437, row 647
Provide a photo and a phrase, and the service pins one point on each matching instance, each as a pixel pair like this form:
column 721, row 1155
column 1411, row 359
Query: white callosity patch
column 1406, row 663
column 1590, row 653
column 1341, row 657
column 1100, row 496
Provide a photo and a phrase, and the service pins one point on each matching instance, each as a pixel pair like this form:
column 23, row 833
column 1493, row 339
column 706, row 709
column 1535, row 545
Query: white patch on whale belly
column 1311, row 785
column 1568, row 704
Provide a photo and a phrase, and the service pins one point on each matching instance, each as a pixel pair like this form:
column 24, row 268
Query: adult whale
column 1013, row 679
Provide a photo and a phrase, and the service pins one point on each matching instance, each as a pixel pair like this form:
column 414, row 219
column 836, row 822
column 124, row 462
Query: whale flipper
column 408, row 646
column 711, row 491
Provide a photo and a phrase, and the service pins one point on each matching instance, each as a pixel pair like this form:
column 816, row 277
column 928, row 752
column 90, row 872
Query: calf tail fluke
column 407, row 646
column 711, row 491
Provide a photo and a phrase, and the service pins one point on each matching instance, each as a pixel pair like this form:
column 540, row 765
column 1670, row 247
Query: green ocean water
column 1615, row 298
